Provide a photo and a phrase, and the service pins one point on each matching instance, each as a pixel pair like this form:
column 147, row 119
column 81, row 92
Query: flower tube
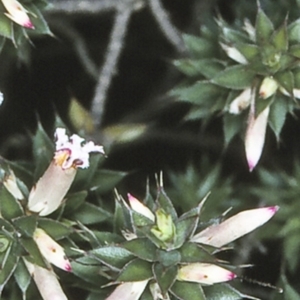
column 71, row 153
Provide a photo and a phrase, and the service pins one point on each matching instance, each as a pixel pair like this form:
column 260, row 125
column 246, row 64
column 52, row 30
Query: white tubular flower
column 268, row 88
column 140, row 208
column 255, row 136
column 47, row 195
column 234, row 54
column 128, row 291
column 235, row 227
column 10, row 182
column 17, row 13
column 51, row 250
column 241, row 102
column 204, row 273
column 46, row 282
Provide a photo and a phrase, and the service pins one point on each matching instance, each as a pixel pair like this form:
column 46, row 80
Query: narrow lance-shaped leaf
column 235, row 77
column 263, row 27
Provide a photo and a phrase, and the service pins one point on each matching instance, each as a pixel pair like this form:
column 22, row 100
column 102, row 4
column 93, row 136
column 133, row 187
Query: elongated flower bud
column 268, row 87
column 128, row 291
column 10, row 182
column 255, row 136
column 46, row 282
column 140, row 208
column 234, row 54
column 17, row 13
column 241, row 102
column 204, row 273
column 51, row 250
column 235, row 227
column 47, row 195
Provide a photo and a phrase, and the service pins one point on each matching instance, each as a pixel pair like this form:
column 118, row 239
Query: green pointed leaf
column 22, row 276
column 207, row 67
column 165, row 203
column 43, row 151
column 201, row 92
column 7, row 269
column 34, row 254
column 224, row 292
column 39, row 22
column 294, row 31
column 74, row 201
column 277, row 116
column 287, row 61
column 187, row 66
column 10, row 207
column 26, row 225
column 286, row 80
column 6, row 27
column 235, row 77
column 249, row 51
column 105, row 180
column 113, row 256
column 263, row 27
column 280, row 38
column 87, row 269
column 4, row 243
column 91, row 214
column 55, row 229
column 199, row 47
column 188, row 291
column 191, row 252
column 106, row 238
column 164, row 276
column 233, row 124
column 186, row 226
column 295, row 50
column 142, row 248
column 122, row 215
column 261, row 104
column 135, row 270
column 168, row 258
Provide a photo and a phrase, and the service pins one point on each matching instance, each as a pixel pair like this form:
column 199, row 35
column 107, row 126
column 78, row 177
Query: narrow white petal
column 128, row 291
column 235, row 227
column 241, row 102
column 255, row 137
column 234, row 54
column 46, row 282
column 204, row 273
column 140, row 208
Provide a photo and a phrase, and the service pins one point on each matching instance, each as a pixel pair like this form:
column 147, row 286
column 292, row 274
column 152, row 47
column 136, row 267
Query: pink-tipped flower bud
column 51, row 250
column 235, row 227
column 204, row 273
column 17, row 13
column 255, row 137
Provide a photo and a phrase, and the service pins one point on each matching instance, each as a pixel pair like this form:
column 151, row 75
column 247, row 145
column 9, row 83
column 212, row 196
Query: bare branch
column 79, row 45
column 113, row 52
column 83, row 6
column 164, row 22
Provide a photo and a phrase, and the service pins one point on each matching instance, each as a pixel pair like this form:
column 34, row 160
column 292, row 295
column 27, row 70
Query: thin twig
column 113, row 52
column 166, row 26
column 79, row 45
column 85, row 6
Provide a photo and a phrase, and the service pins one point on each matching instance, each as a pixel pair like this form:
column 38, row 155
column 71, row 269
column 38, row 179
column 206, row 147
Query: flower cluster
column 257, row 81
column 22, row 212
column 166, row 255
